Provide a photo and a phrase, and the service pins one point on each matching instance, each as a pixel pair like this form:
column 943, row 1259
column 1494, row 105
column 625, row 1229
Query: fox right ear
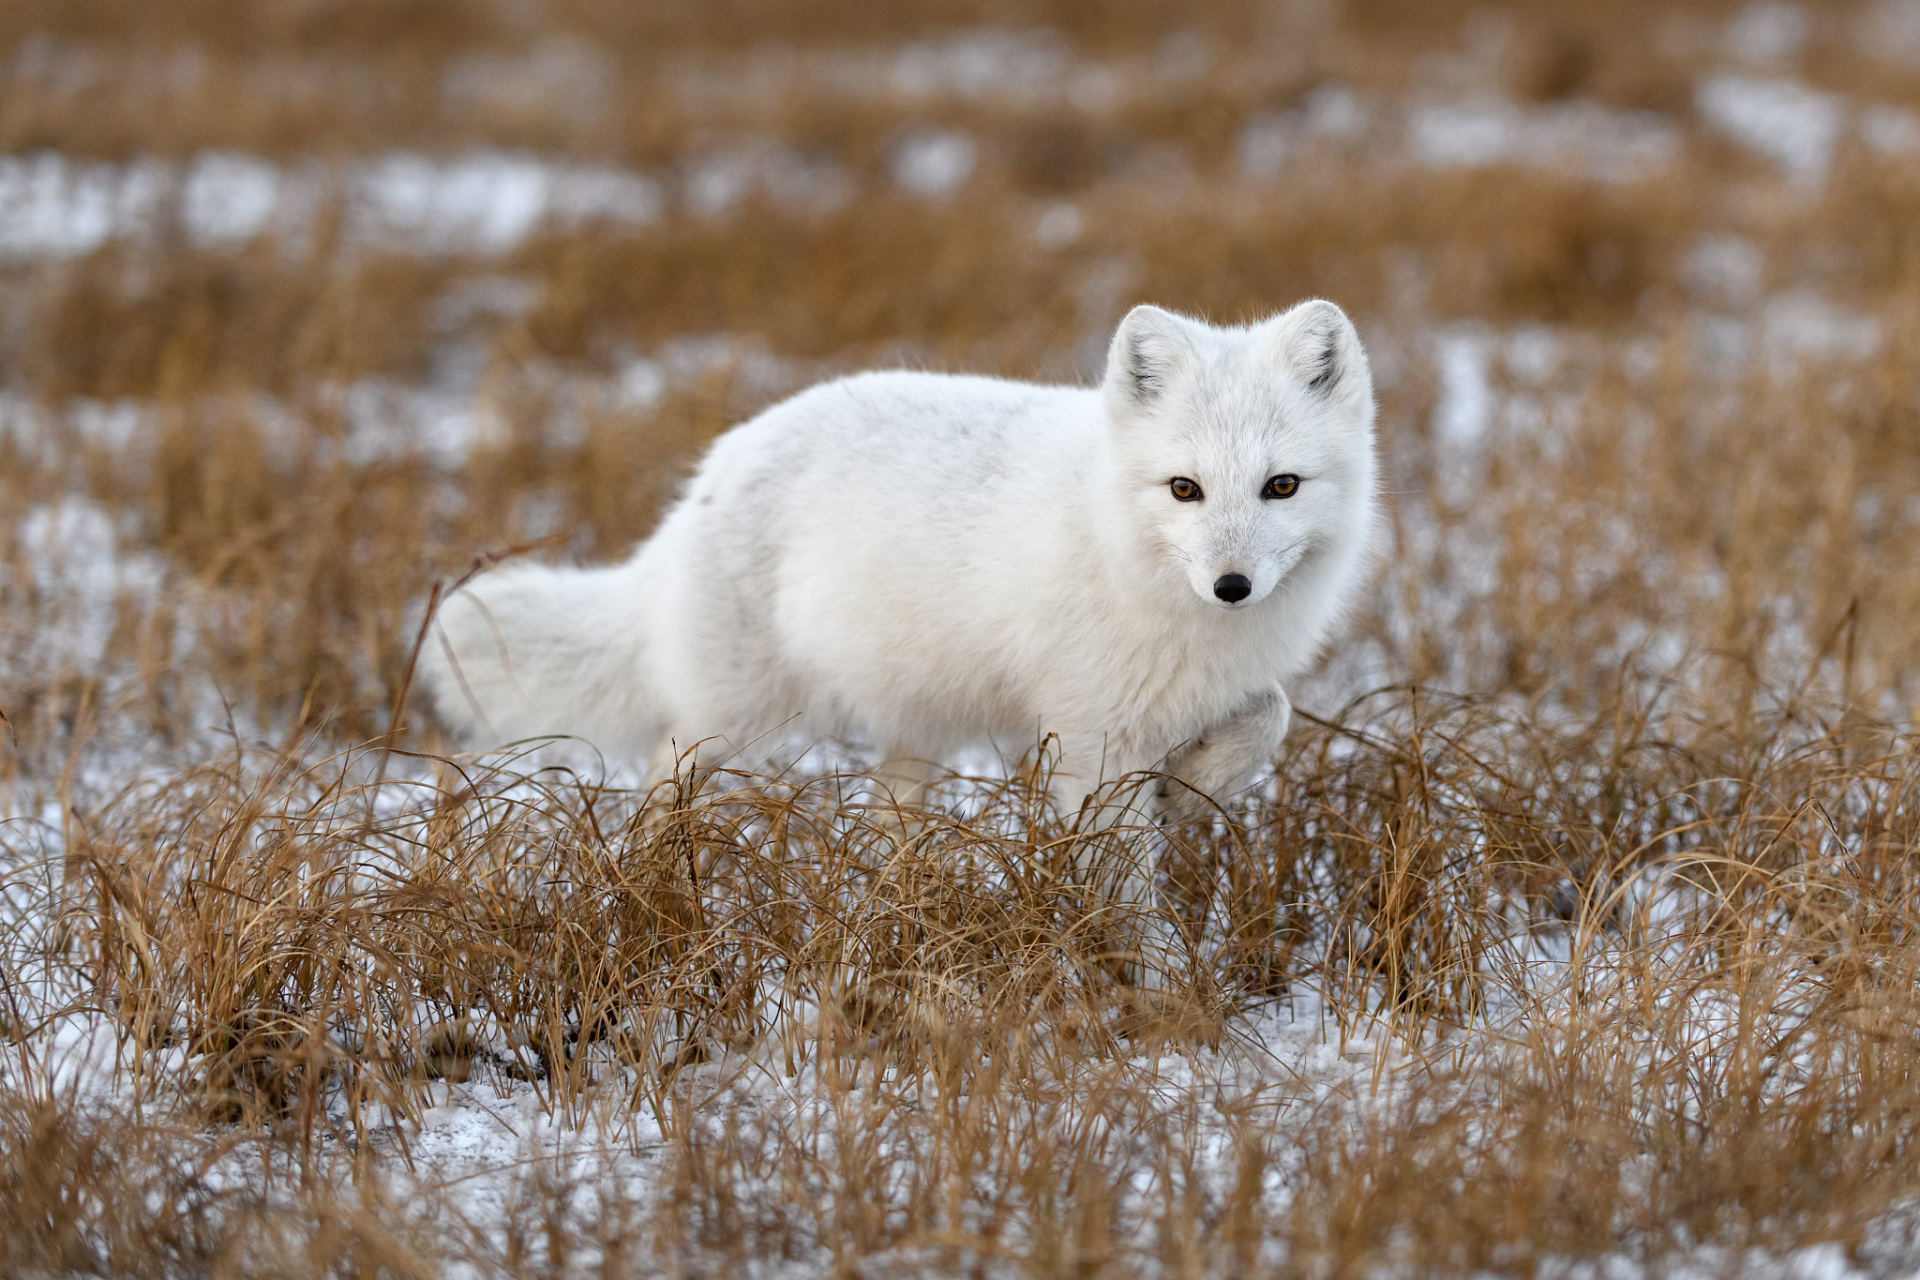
column 1319, row 344
column 1149, row 348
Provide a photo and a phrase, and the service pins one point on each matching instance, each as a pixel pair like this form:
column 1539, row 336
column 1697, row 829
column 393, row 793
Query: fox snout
column 1232, row 588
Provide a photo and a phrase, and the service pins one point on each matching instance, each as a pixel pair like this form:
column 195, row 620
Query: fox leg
column 1118, row 857
column 663, row 765
column 1121, row 824
column 673, row 755
column 1223, row 757
column 903, row 782
column 906, row 777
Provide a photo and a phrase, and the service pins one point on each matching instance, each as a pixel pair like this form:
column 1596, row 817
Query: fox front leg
column 1224, row 757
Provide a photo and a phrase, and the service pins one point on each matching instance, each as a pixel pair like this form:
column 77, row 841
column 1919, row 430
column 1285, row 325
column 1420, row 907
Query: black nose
column 1232, row 587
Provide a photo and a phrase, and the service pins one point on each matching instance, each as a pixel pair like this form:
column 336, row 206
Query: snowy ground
column 489, row 201
column 1282, row 1065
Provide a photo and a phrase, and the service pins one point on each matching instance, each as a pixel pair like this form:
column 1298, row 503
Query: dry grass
column 1600, row 886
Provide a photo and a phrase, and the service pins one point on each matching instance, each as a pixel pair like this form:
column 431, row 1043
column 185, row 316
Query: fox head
column 1241, row 454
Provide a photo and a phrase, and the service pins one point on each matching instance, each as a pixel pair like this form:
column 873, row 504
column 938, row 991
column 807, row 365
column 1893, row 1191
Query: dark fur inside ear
column 1147, row 353
column 1314, row 338
column 1145, row 367
column 1323, row 367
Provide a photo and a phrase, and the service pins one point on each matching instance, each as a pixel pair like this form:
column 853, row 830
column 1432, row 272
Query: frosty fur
column 930, row 563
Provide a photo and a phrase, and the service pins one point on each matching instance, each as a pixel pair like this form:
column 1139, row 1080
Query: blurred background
column 305, row 303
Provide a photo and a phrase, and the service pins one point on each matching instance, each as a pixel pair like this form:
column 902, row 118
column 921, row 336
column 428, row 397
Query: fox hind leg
column 677, row 770
column 1215, row 763
column 906, row 777
column 1118, row 854
column 903, row 780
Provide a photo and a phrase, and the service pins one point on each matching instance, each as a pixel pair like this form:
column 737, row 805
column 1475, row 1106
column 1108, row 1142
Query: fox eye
column 1283, row 486
column 1185, row 490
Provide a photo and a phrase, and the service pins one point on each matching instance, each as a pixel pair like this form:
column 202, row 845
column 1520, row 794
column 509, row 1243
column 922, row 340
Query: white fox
column 930, row 563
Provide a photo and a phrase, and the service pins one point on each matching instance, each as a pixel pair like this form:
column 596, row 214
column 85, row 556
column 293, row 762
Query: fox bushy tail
column 531, row 650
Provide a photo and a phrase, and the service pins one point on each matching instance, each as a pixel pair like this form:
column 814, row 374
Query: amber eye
column 1281, row 487
column 1186, row 490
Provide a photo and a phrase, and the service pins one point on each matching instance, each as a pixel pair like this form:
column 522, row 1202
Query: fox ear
column 1320, row 345
column 1149, row 350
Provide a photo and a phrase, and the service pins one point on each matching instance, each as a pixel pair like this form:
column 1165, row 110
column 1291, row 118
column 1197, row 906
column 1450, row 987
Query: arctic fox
column 929, row 563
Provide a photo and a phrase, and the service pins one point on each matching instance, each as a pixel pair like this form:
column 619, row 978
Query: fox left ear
column 1321, row 346
column 1150, row 350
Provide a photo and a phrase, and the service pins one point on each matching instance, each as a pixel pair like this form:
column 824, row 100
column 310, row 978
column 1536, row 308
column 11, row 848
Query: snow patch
column 1463, row 409
column 485, row 201
column 1608, row 145
column 717, row 183
column 559, row 73
column 78, row 573
column 933, row 162
column 441, row 424
column 1059, row 225
column 51, row 207
column 227, row 197
column 1893, row 131
column 1269, row 140
column 1726, row 269
column 981, row 63
column 1795, row 126
column 1802, row 325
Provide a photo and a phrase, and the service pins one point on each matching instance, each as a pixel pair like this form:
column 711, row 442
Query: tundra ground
column 1572, row 936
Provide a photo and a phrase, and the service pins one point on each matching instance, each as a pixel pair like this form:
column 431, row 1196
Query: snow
column 486, row 201
column 1795, row 126
column 1464, row 407
column 1801, row 325
column 490, row 200
column 981, row 63
column 717, row 182
column 1183, row 57
column 1608, row 145
column 439, row 423
column 482, row 201
column 229, row 197
column 1473, row 132
column 79, row 574
column 1059, row 225
column 1027, row 66
column 53, row 208
column 933, row 162
column 1891, row 130
column 1269, row 140
column 1725, row 269
column 1816, row 1262
column 587, row 192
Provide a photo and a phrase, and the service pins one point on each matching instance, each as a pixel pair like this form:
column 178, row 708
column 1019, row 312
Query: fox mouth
column 1236, row 592
column 1238, row 604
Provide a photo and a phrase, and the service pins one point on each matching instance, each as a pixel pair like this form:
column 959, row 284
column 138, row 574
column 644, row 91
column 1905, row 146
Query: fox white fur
column 931, row 563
